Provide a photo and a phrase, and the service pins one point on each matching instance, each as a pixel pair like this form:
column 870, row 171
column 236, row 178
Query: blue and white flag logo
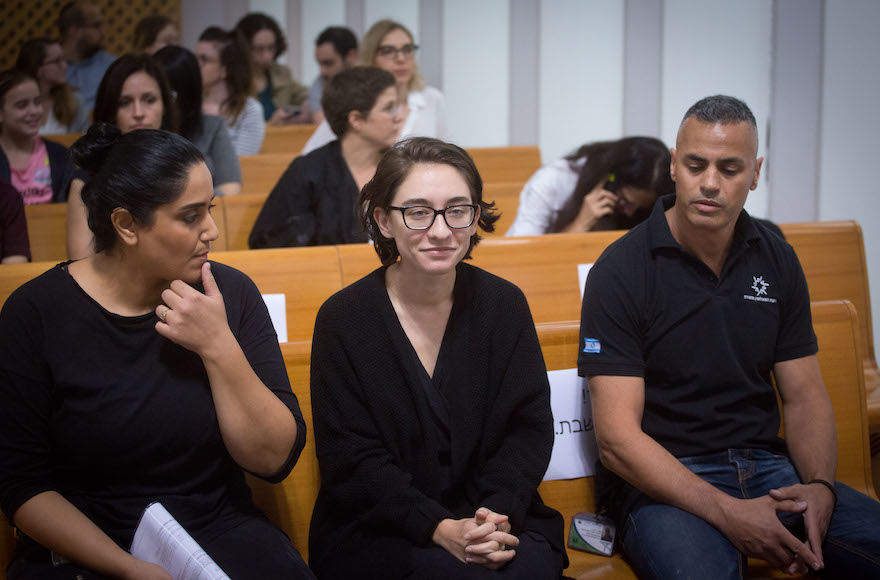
column 592, row 346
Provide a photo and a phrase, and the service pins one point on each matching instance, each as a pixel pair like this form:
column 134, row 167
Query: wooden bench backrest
column 289, row 504
column 14, row 275
column 506, row 198
column 287, row 139
column 47, row 231
column 260, row 173
column 66, row 139
column 505, row 164
column 306, row 276
column 239, row 214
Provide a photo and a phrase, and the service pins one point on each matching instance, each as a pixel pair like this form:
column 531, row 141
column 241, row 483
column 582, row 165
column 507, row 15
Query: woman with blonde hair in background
column 43, row 59
column 389, row 45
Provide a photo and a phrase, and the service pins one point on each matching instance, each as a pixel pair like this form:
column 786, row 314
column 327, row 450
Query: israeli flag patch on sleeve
column 592, row 346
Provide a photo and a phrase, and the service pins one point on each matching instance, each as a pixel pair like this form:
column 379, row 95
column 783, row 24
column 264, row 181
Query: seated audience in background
column 607, row 185
column 43, row 59
column 429, row 394
column 313, row 202
column 177, row 412
column 132, row 96
column 335, row 51
column 389, row 45
column 227, row 85
column 153, row 33
column 81, row 29
column 683, row 321
column 283, row 99
column 40, row 170
column 15, row 247
column 207, row 132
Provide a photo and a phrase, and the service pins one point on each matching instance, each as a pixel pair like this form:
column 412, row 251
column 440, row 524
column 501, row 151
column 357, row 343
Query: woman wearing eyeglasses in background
column 429, row 394
column 389, row 45
column 313, row 202
column 43, row 59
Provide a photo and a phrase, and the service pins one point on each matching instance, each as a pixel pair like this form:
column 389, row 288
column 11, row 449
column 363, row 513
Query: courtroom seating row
column 545, row 267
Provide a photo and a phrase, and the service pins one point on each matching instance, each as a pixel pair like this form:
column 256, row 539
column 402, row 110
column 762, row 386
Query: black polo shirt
column 705, row 345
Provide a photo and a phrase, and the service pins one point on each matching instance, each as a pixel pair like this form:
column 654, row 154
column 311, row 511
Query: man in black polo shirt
column 683, row 320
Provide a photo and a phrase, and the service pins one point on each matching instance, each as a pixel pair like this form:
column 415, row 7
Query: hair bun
column 90, row 150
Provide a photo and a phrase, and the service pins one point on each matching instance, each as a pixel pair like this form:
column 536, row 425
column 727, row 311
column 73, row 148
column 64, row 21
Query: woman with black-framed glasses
column 429, row 394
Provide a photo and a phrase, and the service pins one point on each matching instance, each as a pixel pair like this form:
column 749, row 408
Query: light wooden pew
column 47, row 231
column 14, row 275
column 500, row 164
column 239, row 214
column 287, row 139
column 505, row 194
column 306, row 276
column 260, row 173
column 66, row 139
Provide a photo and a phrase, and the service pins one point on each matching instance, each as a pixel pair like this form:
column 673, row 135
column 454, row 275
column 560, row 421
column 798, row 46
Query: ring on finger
column 163, row 313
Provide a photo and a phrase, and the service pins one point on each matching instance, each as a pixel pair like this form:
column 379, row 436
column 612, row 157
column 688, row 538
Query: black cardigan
column 382, row 474
column 60, row 165
column 312, row 204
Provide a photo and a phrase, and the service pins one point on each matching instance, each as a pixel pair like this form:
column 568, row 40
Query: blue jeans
column 661, row 541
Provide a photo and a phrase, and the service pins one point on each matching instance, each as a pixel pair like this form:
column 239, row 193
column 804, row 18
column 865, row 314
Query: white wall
column 722, row 47
column 848, row 183
column 581, row 75
column 316, row 16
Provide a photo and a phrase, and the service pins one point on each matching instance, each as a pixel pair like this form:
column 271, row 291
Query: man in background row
column 335, row 51
column 81, row 27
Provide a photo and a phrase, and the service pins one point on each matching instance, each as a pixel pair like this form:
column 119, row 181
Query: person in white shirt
column 607, row 185
column 389, row 45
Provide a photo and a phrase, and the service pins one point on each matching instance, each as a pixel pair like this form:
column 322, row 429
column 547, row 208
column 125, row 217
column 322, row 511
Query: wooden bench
column 47, row 231
column 505, row 164
column 287, row 139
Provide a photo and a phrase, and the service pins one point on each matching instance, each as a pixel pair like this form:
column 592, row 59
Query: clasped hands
column 755, row 529
column 484, row 539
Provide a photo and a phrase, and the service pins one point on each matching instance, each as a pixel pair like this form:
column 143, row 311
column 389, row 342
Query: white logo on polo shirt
column 759, row 285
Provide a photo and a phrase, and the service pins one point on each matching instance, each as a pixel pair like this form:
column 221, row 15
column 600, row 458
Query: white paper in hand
column 161, row 540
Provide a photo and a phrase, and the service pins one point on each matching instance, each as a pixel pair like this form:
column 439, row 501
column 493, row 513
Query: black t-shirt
column 705, row 345
column 113, row 416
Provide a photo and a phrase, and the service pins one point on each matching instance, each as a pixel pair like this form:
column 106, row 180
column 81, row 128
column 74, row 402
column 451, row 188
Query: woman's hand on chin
column 191, row 319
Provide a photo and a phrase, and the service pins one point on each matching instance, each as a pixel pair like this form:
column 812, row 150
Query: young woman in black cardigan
column 430, row 396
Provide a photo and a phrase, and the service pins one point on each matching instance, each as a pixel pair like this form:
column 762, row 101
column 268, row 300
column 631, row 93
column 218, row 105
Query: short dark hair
column 71, row 15
column 185, row 80
column 138, row 172
column 253, row 22
column 235, row 59
column 11, row 78
column 107, row 97
column 393, row 169
column 721, row 109
column 147, row 29
column 355, row 89
column 342, row 39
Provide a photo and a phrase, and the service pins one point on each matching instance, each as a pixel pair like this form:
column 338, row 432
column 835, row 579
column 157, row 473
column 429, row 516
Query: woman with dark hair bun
column 207, row 132
column 607, row 185
column 43, row 59
column 430, row 397
column 283, row 99
column 125, row 380
column 228, row 86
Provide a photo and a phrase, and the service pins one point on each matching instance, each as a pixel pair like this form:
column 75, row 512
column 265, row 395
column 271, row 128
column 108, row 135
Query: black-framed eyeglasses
column 421, row 217
column 390, row 52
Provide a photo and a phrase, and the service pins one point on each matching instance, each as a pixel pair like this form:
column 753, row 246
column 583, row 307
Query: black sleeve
column 258, row 341
column 357, row 470
column 611, row 337
column 796, row 336
column 288, row 216
column 25, row 405
column 521, row 416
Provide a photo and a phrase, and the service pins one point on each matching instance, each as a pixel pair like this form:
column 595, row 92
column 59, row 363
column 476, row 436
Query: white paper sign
column 574, row 446
column 278, row 313
column 583, row 270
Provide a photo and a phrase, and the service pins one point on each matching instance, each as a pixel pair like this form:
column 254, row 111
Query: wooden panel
column 14, row 275
column 286, row 139
column 260, row 173
column 47, row 230
column 240, row 213
column 289, row 504
column 306, row 276
column 506, row 198
column 66, row 139
column 505, row 164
